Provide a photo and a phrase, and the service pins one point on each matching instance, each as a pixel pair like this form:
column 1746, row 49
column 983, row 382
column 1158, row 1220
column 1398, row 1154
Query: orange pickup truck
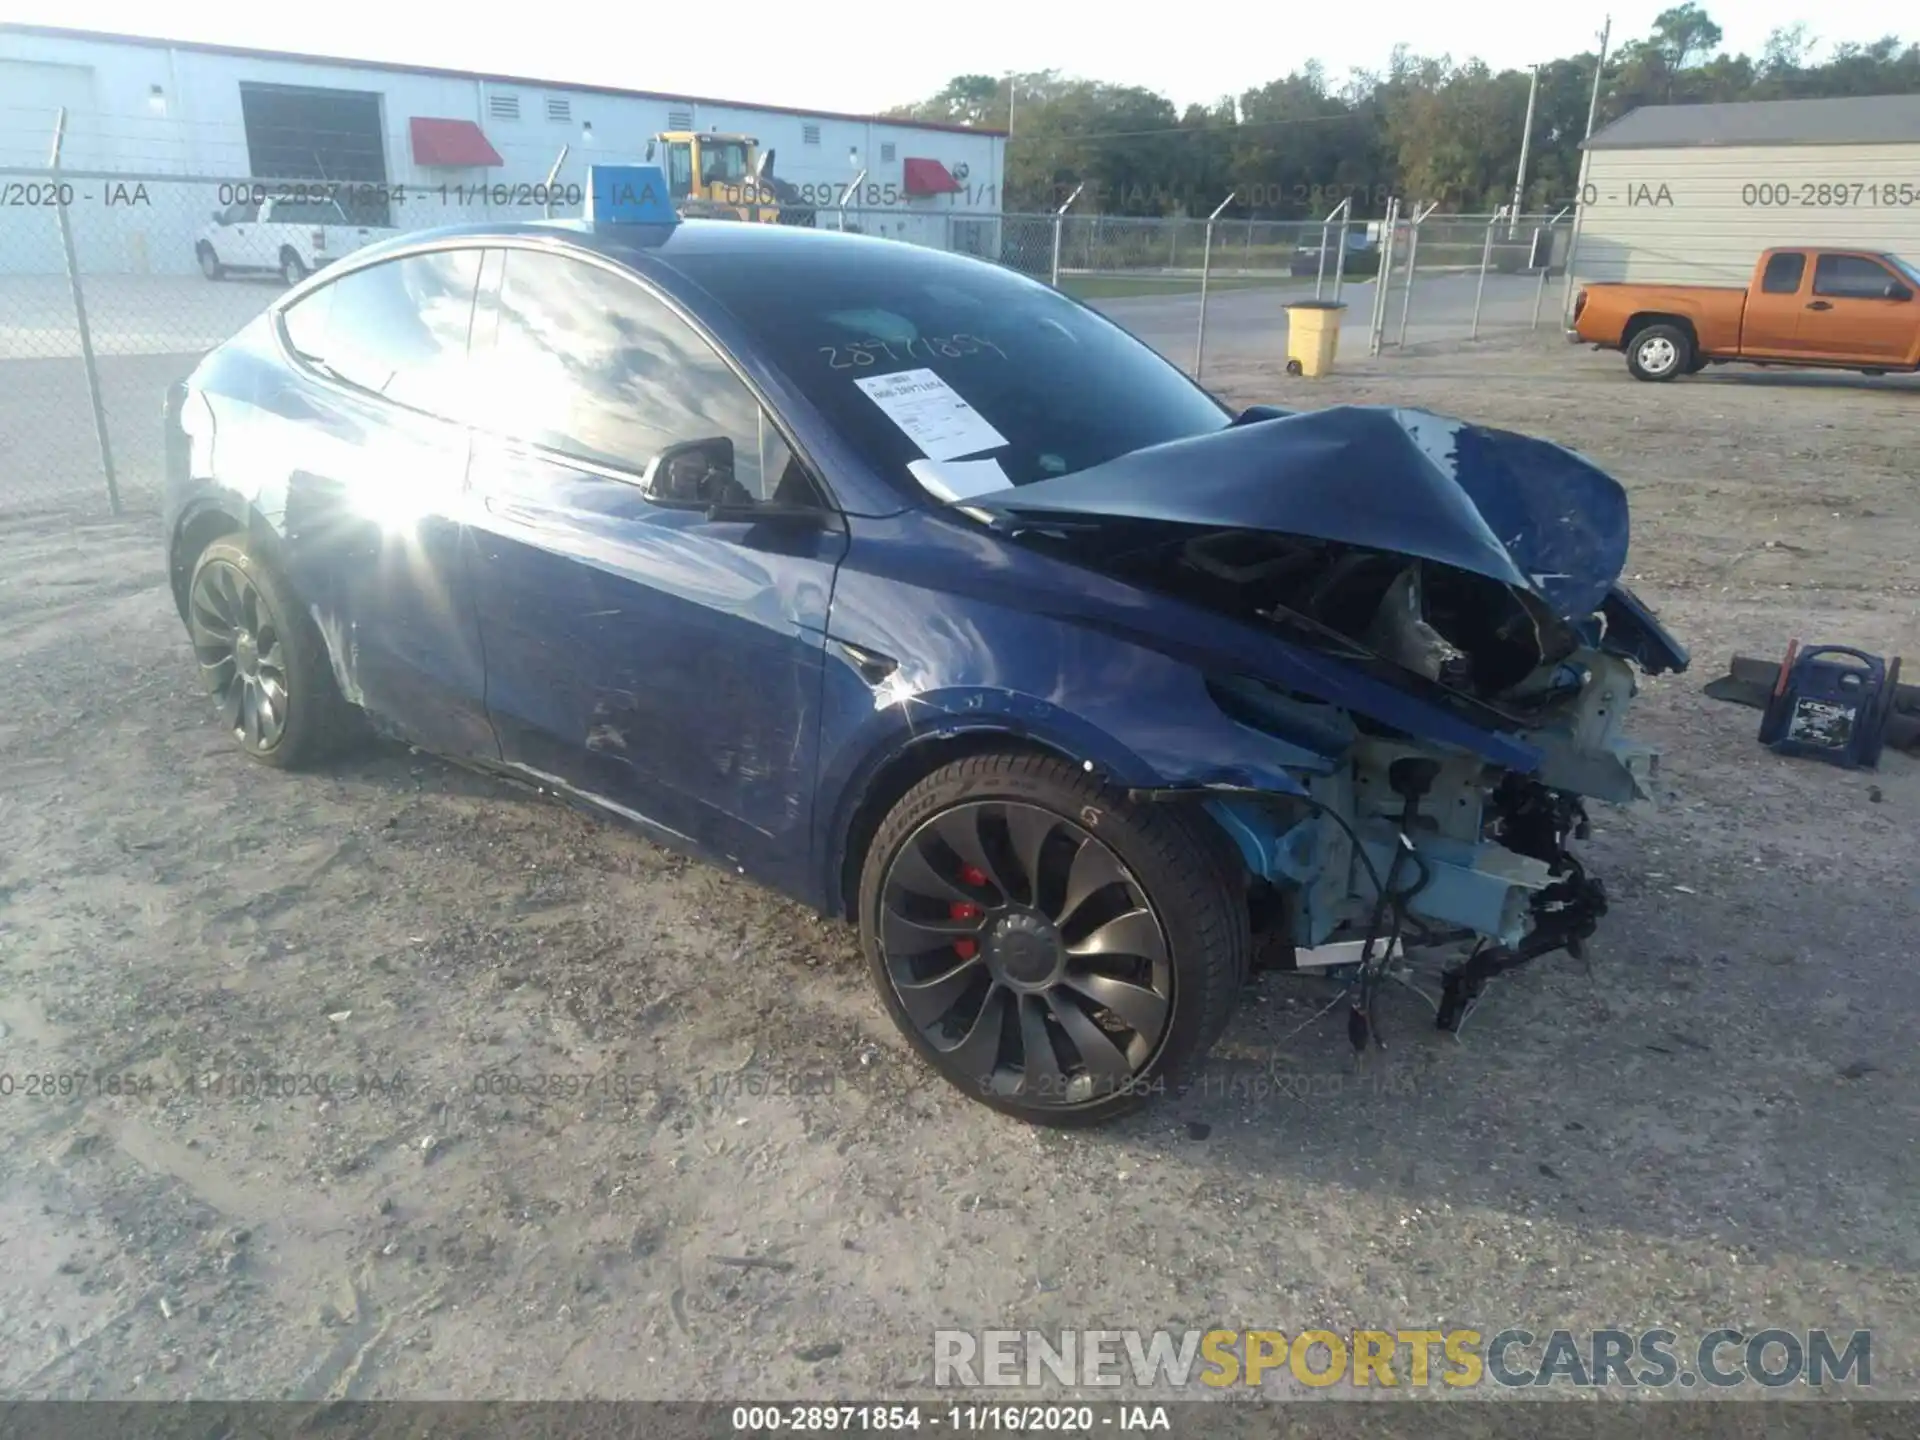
column 1842, row 309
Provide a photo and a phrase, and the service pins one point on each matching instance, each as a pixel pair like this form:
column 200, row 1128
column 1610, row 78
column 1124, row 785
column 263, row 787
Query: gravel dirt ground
column 737, row 1182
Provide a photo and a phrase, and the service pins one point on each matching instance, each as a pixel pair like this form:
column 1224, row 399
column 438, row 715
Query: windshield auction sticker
column 961, row 479
column 931, row 414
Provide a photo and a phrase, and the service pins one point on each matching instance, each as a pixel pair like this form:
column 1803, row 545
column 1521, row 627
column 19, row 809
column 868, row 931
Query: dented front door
column 662, row 662
column 649, row 657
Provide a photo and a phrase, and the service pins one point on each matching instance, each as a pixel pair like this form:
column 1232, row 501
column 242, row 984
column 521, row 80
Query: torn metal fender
column 1154, row 725
column 1633, row 630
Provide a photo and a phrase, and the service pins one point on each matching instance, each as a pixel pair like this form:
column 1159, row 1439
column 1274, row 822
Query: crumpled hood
column 1519, row 510
column 1523, row 511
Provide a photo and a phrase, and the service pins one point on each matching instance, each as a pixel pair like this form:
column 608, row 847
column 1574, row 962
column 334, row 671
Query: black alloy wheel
column 1027, row 953
column 1053, row 949
column 263, row 660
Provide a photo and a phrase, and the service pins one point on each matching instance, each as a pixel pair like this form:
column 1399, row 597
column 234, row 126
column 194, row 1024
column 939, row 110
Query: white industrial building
column 432, row 146
column 1694, row 193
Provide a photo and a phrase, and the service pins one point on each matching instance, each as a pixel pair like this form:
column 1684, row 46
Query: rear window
column 308, row 212
column 396, row 329
column 917, row 356
column 1783, row 274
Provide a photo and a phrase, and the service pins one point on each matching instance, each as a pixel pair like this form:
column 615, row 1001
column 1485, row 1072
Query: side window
column 397, row 329
column 1852, row 277
column 241, row 212
column 586, row 362
column 1783, row 274
column 680, row 170
column 309, row 212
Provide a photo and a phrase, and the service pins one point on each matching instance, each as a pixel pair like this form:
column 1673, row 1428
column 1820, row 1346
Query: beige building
column 1693, row 193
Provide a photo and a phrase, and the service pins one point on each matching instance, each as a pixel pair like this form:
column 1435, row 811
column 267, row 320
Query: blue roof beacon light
column 629, row 195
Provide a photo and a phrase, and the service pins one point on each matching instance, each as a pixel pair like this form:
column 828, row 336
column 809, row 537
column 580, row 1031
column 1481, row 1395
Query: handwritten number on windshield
column 863, row 353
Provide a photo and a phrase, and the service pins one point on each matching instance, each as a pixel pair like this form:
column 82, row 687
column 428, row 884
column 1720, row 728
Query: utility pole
column 1586, row 159
column 1599, row 69
column 1526, row 140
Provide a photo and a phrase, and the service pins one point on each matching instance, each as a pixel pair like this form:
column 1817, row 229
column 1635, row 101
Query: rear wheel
column 262, row 659
column 1054, row 950
column 1659, row 352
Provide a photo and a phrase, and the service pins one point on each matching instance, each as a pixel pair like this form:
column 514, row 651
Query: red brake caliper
column 966, row 947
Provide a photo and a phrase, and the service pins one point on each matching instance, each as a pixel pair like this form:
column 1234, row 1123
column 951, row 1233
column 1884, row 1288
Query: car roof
column 647, row 245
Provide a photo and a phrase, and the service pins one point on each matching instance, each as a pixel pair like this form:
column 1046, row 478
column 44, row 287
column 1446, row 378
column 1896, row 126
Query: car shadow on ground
column 1693, row 1077
column 1810, row 379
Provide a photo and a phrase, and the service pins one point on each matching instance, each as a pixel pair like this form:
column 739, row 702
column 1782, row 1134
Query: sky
column 864, row 55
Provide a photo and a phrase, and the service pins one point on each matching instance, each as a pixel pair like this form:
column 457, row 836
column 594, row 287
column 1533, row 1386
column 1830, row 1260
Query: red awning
column 450, row 142
column 930, row 177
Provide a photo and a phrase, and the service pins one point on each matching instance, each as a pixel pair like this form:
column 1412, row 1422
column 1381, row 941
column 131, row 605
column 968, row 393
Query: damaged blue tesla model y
column 918, row 591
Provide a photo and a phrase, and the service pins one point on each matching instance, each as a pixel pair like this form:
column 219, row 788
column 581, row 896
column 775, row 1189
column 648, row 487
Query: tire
column 973, row 969
column 210, row 265
column 292, row 268
column 1659, row 352
column 262, row 659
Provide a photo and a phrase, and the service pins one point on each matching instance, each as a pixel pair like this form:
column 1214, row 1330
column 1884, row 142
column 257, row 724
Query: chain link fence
column 113, row 285
column 1452, row 277
column 1207, row 293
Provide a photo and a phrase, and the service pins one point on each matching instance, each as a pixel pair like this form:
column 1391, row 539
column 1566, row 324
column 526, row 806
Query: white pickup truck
column 288, row 237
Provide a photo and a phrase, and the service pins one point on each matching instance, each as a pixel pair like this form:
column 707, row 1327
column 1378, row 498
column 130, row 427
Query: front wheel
column 210, row 265
column 292, row 268
column 1054, row 950
column 1660, row 352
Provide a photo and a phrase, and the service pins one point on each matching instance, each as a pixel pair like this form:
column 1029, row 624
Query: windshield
column 722, row 162
column 917, row 356
column 1906, row 268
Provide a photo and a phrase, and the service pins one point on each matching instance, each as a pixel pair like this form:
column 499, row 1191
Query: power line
column 1360, row 111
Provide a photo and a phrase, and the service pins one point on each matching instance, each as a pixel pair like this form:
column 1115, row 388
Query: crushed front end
column 1398, row 846
column 1474, row 571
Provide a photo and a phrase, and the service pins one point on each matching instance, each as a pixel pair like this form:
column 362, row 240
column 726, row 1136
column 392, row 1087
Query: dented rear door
column 370, row 427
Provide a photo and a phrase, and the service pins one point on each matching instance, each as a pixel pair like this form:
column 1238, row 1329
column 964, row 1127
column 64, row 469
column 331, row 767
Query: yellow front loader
column 726, row 177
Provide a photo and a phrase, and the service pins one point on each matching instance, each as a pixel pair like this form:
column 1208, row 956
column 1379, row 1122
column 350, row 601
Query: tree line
column 1429, row 129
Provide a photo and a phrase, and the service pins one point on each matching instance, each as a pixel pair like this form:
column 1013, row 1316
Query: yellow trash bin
column 1313, row 336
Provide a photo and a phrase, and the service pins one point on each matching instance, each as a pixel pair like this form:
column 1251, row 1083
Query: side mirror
column 650, row 149
column 1897, row 291
column 694, row 475
column 764, row 165
column 1253, row 414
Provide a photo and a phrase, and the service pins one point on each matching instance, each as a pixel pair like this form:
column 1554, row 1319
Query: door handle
column 873, row 667
column 507, row 509
column 1820, row 305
